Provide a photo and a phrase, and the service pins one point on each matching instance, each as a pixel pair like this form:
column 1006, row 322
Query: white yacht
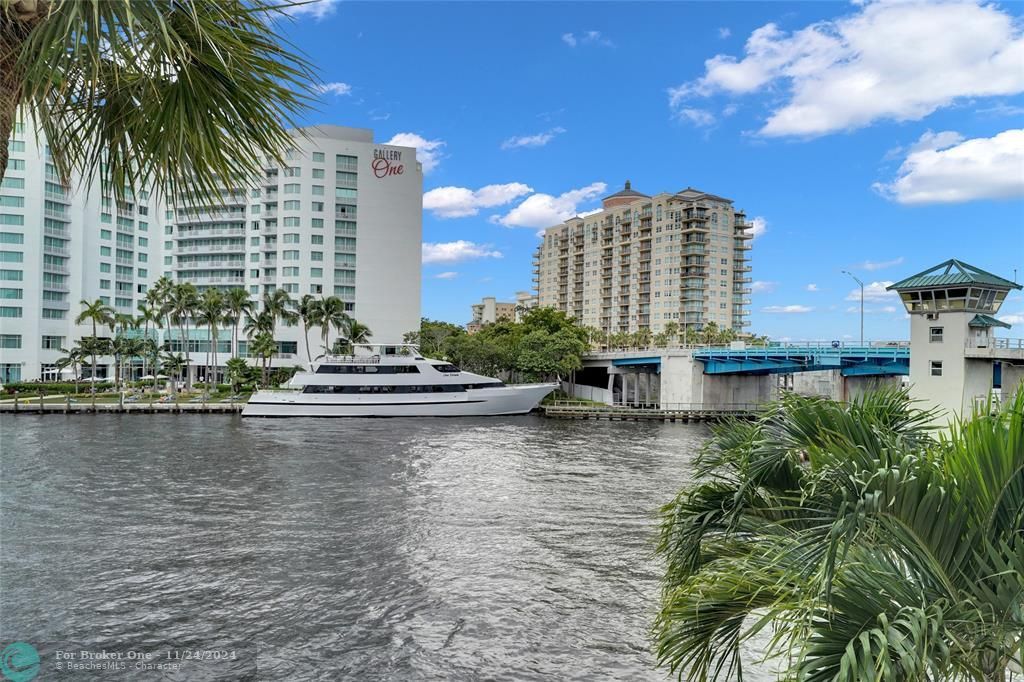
column 393, row 381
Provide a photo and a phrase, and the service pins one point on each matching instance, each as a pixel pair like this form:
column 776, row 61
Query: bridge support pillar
column 611, row 389
column 855, row 387
column 1012, row 380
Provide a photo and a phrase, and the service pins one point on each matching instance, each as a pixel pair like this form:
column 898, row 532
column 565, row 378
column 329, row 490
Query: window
column 106, row 218
column 318, row 207
column 318, row 173
column 345, row 178
column 293, row 188
column 292, row 222
column 10, row 372
column 254, row 258
column 347, row 162
column 11, row 219
column 316, row 272
column 53, row 342
column 10, row 340
column 16, row 238
column 318, row 190
column 316, row 288
column 10, row 311
column 51, row 314
column 290, row 272
column 105, row 234
column 292, row 172
column 318, row 157
column 8, row 292
column 291, row 288
column 105, row 267
column 143, row 272
column 936, row 368
column 16, row 164
column 143, row 241
column 344, row 193
column 935, row 334
column 15, row 145
column 316, row 255
column 11, row 257
column 105, row 251
column 104, row 284
column 289, row 255
column 12, row 202
column 292, row 205
column 290, row 238
column 143, row 227
column 315, row 239
column 12, row 183
column 317, row 223
column 10, row 275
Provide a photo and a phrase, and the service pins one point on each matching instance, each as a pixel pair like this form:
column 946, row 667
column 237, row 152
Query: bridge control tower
column 954, row 354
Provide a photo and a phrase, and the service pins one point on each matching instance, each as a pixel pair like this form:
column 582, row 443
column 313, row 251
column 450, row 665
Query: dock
column 681, row 412
column 84, row 407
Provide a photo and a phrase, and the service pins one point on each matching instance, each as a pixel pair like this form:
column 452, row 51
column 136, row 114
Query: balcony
column 56, row 232
column 58, row 197
column 56, row 251
column 57, row 215
column 741, row 280
column 59, row 269
column 57, row 305
column 125, row 261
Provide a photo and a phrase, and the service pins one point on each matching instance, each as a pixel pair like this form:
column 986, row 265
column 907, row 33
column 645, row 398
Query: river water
column 502, row 548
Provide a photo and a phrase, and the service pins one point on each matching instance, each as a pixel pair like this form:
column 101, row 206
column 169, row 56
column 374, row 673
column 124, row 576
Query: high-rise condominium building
column 645, row 261
column 341, row 217
column 60, row 244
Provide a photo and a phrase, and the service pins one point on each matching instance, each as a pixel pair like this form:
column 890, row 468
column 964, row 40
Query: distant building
column 955, row 357
column 525, row 301
column 488, row 311
column 642, row 262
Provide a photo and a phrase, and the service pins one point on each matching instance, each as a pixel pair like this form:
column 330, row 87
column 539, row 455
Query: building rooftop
column 691, row 194
column 952, row 272
column 337, row 133
column 627, row 192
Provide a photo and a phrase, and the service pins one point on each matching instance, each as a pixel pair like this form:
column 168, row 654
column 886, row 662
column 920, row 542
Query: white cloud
column 873, row 292
column 787, row 309
column 702, row 118
column 459, row 202
column 538, row 140
column 1015, row 318
column 724, row 32
column 873, row 265
column 729, row 110
column 812, row 287
column 873, row 311
column 1002, row 109
column 338, row 89
column 446, row 275
column 945, row 168
column 454, row 252
column 760, row 226
column 887, row 61
column 545, row 210
column 586, row 38
column 318, row 9
column 760, row 287
column 428, row 152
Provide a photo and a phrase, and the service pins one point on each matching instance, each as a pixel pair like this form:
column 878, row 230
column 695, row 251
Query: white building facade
column 60, row 244
column 342, row 217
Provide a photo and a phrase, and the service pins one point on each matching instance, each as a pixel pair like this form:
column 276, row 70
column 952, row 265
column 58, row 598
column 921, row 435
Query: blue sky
column 876, row 138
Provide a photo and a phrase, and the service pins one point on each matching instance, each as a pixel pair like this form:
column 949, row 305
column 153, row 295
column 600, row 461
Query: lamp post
column 855, row 279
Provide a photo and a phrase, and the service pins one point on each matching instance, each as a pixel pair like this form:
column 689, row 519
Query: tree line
column 181, row 306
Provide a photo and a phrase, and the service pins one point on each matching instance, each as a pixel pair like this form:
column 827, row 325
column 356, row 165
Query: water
column 516, row 548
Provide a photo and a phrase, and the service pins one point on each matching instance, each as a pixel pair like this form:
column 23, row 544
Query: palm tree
column 671, row 330
column 97, row 313
column 173, row 364
column 237, row 371
column 211, row 313
column 72, row 358
column 148, row 314
column 872, row 549
column 309, row 314
column 183, row 301
column 136, row 91
column 237, row 305
column 278, row 304
column 353, row 331
column 263, row 347
column 331, row 314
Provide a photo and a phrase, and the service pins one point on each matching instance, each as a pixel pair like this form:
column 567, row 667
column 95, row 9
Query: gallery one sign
column 387, row 162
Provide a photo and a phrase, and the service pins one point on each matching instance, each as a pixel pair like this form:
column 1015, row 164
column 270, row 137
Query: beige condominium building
column 645, row 261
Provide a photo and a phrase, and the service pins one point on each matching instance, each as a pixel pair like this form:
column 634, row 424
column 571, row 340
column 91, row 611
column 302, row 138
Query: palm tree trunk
column 213, row 366
column 93, row 377
column 305, row 337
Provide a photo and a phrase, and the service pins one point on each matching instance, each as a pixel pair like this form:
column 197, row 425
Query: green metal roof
column 952, row 272
column 980, row 320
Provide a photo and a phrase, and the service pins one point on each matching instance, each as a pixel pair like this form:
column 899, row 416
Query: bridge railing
column 996, row 343
column 775, row 345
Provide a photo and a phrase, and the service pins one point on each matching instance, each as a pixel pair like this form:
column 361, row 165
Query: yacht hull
column 482, row 402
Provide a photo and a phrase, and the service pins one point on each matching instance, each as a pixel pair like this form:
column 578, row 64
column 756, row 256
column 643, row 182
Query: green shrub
column 29, row 388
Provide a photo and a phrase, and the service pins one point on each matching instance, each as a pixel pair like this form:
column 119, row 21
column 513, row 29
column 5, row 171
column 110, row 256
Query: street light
column 847, row 272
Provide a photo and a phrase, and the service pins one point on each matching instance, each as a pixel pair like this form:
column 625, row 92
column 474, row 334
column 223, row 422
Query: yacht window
column 447, row 368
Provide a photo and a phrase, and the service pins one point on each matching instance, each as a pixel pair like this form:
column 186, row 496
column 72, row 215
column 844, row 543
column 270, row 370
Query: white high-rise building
column 60, row 244
column 342, row 217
